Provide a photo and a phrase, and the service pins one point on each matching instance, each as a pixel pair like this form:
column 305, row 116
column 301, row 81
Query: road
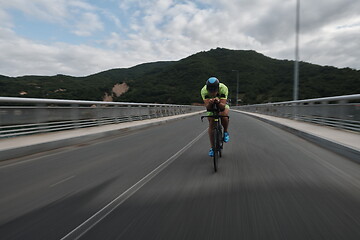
column 158, row 183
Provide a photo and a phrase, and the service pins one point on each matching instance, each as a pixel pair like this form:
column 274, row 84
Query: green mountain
column 261, row 79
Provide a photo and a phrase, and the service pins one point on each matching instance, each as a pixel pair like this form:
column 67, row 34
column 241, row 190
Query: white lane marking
column 62, row 181
column 105, row 211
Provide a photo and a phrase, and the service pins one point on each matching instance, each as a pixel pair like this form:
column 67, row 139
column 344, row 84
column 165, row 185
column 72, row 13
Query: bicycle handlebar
column 202, row 117
column 216, row 111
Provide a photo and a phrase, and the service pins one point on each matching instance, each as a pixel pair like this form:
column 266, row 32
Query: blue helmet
column 212, row 84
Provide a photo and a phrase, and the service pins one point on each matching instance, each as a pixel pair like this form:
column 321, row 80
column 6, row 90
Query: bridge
column 94, row 170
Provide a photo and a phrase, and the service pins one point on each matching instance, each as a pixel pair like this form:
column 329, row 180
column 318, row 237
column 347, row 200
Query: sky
column 83, row 37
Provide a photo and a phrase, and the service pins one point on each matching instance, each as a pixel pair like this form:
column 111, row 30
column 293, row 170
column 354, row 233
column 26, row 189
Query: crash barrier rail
column 339, row 112
column 22, row 116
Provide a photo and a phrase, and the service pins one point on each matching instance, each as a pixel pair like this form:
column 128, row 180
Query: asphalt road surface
column 159, row 183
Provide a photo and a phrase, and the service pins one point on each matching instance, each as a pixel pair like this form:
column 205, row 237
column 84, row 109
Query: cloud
column 5, row 19
column 26, row 57
column 53, row 11
column 112, row 18
column 88, row 24
column 186, row 27
column 337, row 43
column 69, row 13
column 144, row 31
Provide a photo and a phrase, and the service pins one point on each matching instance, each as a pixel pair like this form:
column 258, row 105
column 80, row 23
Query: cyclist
column 212, row 93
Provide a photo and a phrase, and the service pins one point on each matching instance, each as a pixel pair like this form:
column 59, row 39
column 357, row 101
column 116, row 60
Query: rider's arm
column 208, row 103
column 223, row 97
column 222, row 104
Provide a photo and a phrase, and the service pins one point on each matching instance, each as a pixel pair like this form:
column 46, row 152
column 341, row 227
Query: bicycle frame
column 218, row 135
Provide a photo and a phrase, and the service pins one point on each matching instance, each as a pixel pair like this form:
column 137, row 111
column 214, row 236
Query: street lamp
column 296, row 66
column 237, row 85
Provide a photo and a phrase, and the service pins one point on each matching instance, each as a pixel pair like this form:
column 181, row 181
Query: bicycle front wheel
column 220, row 139
column 216, row 149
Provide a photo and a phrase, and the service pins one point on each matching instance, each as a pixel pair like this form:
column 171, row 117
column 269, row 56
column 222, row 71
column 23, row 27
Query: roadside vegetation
column 261, row 79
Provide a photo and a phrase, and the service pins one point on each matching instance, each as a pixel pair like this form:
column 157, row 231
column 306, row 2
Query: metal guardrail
column 22, row 116
column 339, row 112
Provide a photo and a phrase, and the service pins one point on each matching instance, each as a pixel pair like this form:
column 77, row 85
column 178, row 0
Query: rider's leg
column 210, row 131
column 225, row 121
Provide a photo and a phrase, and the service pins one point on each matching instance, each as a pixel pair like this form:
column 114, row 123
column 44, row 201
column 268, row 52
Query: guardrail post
column 159, row 111
column 116, row 113
column 129, row 116
column 343, row 104
column 295, row 111
column 148, row 112
column 75, row 114
column 98, row 114
column 40, row 113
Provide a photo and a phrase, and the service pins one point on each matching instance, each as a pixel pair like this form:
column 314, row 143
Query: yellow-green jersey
column 222, row 94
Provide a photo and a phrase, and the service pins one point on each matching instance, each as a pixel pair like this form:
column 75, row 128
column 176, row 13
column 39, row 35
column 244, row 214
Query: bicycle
column 218, row 134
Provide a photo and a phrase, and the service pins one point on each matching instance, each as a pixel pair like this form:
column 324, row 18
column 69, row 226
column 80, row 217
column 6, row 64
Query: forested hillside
column 261, row 79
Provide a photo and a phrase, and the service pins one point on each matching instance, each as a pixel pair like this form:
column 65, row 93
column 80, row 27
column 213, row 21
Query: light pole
column 237, row 85
column 296, row 66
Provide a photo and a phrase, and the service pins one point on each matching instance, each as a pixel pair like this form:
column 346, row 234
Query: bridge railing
column 21, row 116
column 340, row 111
